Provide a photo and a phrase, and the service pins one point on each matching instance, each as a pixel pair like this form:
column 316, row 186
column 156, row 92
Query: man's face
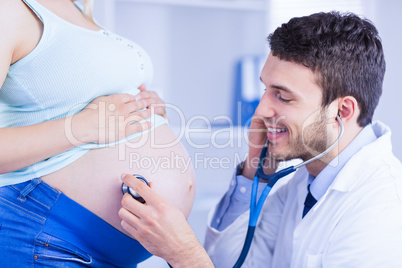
column 291, row 108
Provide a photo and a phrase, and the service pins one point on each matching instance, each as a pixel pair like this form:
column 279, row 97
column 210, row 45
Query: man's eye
column 284, row 100
column 278, row 95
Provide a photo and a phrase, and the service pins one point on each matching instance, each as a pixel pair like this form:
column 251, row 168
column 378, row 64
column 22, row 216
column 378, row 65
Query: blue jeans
column 42, row 227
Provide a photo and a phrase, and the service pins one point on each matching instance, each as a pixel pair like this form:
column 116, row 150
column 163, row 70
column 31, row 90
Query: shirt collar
column 321, row 183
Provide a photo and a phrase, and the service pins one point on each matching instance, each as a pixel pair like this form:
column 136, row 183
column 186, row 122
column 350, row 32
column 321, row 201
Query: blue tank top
column 68, row 68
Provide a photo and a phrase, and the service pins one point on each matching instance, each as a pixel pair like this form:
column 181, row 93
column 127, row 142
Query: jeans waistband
column 71, row 222
column 37, row 191
column 79, row 226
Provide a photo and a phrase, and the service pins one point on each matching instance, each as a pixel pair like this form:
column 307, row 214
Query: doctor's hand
column 257, row 138
column 161, row 228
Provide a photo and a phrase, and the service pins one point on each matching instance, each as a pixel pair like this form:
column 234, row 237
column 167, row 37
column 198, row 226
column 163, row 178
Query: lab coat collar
column 375, row 150
column 349, row 176
column 320, row 184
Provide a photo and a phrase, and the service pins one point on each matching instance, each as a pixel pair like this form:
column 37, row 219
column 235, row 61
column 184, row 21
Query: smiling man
column 342, row 210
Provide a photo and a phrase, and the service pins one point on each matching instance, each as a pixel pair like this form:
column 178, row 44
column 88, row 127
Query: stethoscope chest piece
column 125, row 189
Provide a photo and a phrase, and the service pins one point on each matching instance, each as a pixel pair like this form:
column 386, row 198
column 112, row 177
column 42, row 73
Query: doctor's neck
column 352, row 129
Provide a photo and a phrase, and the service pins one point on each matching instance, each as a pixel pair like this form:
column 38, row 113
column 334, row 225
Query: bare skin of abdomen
column 94, row 180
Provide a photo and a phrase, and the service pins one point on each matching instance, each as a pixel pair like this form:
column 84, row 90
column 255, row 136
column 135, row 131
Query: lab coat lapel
column 301, row 193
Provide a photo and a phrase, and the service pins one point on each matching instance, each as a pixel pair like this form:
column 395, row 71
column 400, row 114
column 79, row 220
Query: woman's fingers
column 125, row 97
column 137, row 103
column 142, row 87
column 114, row 117
column 110, row 118
column 137, row 127
column 147, row 95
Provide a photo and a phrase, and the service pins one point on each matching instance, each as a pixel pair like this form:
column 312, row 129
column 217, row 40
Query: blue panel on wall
column 248, row 88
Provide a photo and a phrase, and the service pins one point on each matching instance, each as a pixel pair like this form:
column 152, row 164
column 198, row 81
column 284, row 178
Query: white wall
column 387, row 19
column 194, row 49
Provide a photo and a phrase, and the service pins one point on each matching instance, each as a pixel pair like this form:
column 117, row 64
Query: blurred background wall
column 206, row 54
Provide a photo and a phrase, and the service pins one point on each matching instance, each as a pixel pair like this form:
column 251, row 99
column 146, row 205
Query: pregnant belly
column 94, row 179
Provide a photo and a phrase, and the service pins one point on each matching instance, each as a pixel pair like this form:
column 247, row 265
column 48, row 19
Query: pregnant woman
column 72, row 121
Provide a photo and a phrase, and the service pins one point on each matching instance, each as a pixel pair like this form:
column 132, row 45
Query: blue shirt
column 237, row 199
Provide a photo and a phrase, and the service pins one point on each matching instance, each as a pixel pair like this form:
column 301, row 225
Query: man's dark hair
column 343, row 50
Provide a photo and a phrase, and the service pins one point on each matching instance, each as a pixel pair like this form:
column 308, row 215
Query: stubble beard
column 311, row 142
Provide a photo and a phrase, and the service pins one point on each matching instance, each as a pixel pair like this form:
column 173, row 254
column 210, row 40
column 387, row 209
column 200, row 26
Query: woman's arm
column 23, row 146
column 161, row 228
column 106, row 119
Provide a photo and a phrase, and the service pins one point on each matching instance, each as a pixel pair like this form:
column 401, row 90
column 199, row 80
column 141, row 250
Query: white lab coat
column 357, row 223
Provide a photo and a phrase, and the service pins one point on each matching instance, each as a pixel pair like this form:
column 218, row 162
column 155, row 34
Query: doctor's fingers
column 131, row 208
column 258, row 123
column 145, row 219
column 129, row 222
column 144, row 234
column 145, row 191
column 130, row 229
column 135, row 224
column 257, row 132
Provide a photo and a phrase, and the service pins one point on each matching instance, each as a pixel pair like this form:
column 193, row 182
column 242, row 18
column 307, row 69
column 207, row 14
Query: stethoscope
column 134, row 194
column 255, row 207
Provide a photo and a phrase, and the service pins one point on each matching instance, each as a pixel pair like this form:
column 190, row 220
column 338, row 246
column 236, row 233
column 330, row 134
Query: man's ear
column 348, row 109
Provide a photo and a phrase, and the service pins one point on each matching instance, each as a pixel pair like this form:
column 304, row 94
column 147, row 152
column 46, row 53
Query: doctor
column 343, row 210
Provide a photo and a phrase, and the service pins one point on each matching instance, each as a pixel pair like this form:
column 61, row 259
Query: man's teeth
column 276, row 130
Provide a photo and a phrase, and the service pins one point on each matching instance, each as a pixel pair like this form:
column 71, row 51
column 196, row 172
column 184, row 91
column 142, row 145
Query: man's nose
column 266, row 107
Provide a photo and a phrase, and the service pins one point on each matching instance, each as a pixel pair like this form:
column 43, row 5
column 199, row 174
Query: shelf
column 248, row 5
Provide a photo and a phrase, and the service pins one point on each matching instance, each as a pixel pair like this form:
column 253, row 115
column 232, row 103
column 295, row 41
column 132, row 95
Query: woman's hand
column 154, row 102
column 161, row 228
column 114, row 117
